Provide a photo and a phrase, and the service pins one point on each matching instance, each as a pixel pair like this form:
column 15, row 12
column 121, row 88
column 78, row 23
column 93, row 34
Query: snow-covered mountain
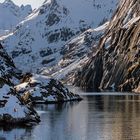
column 75, row 53
column 38, row 40
column 17, row 91
column 11, row 15
column 116, row 64
column 42, row 89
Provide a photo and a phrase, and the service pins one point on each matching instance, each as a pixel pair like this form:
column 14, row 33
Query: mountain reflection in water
column 97, row 117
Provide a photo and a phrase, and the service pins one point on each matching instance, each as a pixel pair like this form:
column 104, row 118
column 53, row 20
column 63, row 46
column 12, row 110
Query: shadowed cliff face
column 116, row 64
column 9, row 74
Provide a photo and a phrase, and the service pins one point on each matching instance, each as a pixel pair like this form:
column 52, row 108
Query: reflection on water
column 97, row 117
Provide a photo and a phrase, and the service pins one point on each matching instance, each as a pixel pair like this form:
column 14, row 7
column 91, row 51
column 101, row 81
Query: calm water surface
column 97, row 117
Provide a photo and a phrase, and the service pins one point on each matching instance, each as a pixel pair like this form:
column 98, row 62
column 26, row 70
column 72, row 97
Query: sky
column 33, row 3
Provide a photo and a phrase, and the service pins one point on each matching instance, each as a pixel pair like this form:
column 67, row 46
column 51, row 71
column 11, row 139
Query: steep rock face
column 38, row 40
column 11, row 15
column 8, row 72
column 116, row 64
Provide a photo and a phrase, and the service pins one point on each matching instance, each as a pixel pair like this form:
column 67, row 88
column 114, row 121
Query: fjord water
column 100, row 116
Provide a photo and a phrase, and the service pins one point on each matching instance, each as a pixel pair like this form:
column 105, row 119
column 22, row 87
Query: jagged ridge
column 11, row 15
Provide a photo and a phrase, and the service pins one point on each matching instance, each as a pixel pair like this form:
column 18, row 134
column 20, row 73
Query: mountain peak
column 11, row 14
column 40, row 37
column 8, row 2
column 48, row 1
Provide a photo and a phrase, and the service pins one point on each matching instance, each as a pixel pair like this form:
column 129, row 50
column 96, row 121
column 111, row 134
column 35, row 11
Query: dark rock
column 42, row 89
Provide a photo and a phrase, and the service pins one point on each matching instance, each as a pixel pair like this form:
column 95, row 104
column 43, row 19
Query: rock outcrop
column 13, row 111
column 16, row 101
column 39, row 89
column 12, row 108
column 42, row 89
column 116, row 64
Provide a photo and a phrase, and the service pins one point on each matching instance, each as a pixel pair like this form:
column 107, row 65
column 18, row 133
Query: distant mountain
column 116, row 63
column 11, row 15
column 38, row 41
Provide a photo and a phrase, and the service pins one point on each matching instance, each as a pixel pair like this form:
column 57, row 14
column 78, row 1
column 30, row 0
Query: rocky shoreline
column 19, row 91
column 8, row 120
column 41, row 89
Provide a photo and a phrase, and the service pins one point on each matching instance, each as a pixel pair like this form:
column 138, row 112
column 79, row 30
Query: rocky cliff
column 44, row 90
column 116, row 64
column 9, row 74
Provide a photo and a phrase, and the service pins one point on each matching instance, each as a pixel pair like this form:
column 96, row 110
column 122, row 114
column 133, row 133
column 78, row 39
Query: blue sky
column 34, row 3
